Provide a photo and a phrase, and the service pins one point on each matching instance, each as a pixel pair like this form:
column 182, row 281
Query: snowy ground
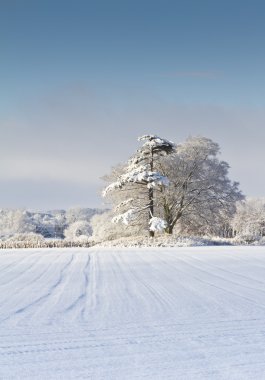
column 168, row 313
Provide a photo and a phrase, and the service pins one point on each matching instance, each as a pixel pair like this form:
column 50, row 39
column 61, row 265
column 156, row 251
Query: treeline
column 72, row 224
column 247, row 226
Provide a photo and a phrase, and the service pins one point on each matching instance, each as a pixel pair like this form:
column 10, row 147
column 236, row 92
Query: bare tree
column 200, row 195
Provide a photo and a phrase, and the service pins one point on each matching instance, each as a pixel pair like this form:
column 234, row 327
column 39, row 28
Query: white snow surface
column 151, row 313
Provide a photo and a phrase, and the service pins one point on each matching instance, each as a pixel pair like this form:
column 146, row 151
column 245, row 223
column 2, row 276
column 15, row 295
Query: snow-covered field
column 168, row 313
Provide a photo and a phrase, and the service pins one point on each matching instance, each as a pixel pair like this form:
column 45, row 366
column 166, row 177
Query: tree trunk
column 151, row 196
column 169, row 230
column 172, row 222
column 151, row 208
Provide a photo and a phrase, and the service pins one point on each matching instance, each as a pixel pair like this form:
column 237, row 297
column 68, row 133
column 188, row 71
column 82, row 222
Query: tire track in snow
column 120, row 345
column 46, row 295
column 185, row 278
column 159, row 276
column 154, row 291
column 190, row 273
column 151, row 344
column 18, row 263
column 229, row 272
column 221, row 325
column 237, row 294
column 33, row 281
column 156, row 332
column 81, row 298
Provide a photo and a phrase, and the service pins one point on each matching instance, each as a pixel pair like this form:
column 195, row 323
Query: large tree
column 187, row 190
column 200, row 197
column 140, row 178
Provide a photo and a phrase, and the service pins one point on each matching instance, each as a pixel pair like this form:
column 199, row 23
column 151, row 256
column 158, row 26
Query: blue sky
column 80, row 80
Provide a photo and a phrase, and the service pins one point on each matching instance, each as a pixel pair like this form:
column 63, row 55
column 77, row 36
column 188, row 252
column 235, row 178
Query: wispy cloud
column 194, row 74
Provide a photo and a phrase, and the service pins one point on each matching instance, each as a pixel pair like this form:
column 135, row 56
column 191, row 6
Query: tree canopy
column 166, row 186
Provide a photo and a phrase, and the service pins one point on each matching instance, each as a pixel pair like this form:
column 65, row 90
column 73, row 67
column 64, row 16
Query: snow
column 140, row 175
column 125, row 217
column 168, row 313
column 153, row 142
column 124, row 203
column 157, row 224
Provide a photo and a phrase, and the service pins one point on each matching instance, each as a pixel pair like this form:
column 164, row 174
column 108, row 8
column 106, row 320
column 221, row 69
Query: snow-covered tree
column 200, row 197
column 76, row 214
column 15, row 221
column 141, row 178
column 49, row 224
column 249, row 220
column 78, row 231
column 104, row 229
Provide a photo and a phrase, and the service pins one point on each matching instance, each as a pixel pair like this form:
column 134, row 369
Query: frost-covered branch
column 141, row 172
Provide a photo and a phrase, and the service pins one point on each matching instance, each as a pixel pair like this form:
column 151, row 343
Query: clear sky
column 81, row 80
